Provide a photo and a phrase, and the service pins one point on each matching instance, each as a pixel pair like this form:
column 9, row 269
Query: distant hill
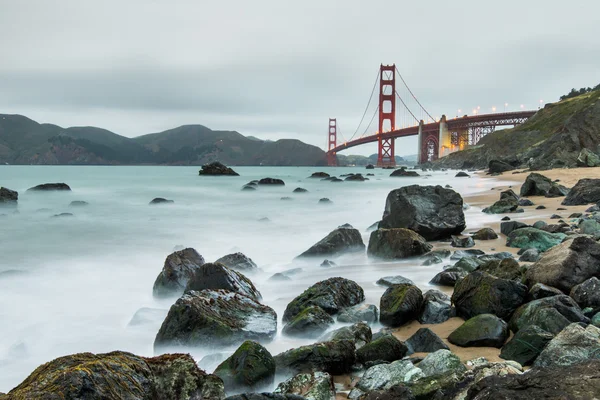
column 24, row 141
column 552, row 138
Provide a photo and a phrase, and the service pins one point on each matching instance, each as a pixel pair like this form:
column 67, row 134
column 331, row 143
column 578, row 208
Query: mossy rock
column 526, row 345
column 397, row 243
column 508, row 268
column 312, row 321
column 385, row 348
column 400, row 304
column 485, row 330
column 334, row 357
column 532, row 238
column 250, row 367
column 313, row 386
column 551, row 314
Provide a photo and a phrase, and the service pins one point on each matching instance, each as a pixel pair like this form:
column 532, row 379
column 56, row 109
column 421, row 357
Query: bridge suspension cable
column 406, row 107
column 370, row 122
column 367, row 107
column 413, row 95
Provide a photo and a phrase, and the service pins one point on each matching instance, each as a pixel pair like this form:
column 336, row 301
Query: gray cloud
column 276, row 69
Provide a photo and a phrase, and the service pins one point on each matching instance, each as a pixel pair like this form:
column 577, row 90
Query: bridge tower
column 387, row 112
column 332, row 143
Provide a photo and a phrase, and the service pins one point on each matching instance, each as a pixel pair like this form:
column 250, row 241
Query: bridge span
column 436, row 139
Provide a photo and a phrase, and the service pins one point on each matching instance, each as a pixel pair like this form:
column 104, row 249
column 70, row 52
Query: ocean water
column 73, row 284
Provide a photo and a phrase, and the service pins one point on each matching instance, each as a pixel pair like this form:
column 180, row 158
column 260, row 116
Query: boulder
column 590, row 227
column 396, row 392
column 485, row 234
column 541, row 383
column 507, row 268
column 320, row 175
column 532, row 238
column 400, row 304
column 384, row 348
column 530, row 255
column 462, row 174
column 332, row 295
column 572, row 345
column 335, row 357
column 8, row 197
column 448, row 277
column 525, row 203
column 442, row 362
column 540, row 291
column 509, row 194
column 394, row 280
column 432, row 211
column 424, row 341
column 264, row 396
column 526, row 345
column 218, row 276
column 160, row 200
column 436, row 308
column 344, row 239
column 509, row 226
column 216, row 318
column 119, row 375
column 178, row 268
column 503, row 206
column 47, row 187
column 588, row 158
column 216, row 168
column 404, row 172
column 587, row 293
column 238, row 261
column 78, row 203
column 370, row 166
column 310, row 322
column 300, row 190
column 325, row 200
column 356, row 177
column 584, row 192
column 248, row 188
column 464, row 242
column 397, row 243
column 551, row 314
column 271, row 181
column 482, row 293
column 385, row 376
column 359, row 333
column 250, row 367
column 327, row 264
column 359, row 313
column 497, row 167
column 539, row 185
column 567, row 264
column 483, row 330
column 311, row 386
column 468, row 264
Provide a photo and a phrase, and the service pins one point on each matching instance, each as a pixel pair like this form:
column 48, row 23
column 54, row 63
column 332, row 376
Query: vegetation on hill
column 574, row 92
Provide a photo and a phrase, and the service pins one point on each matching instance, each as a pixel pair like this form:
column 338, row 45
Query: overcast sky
column 278, row 69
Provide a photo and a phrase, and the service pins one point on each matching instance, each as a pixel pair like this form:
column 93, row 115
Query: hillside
column 24, row 141
column 552, row 138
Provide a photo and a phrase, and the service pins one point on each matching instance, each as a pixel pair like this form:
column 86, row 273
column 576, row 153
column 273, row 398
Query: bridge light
column 505, row 105
column 522, row 106
column 494, row 109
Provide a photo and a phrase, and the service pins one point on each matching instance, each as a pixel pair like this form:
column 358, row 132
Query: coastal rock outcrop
column 341, row 240
column 178, row 268
column 217, row 276
column 250, row 367
column 432, row 211
column 239, row 262
column 584, row 192
column 217, row 168
column 335, row 357
column 539, row 185
column 8, row 197
column 498, row 167
column 48, row 187
column 572, row 345
column 397, row 244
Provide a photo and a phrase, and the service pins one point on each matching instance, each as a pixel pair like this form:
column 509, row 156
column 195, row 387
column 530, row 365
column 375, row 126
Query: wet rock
column 370, row 166
column 286, row 198
column 396, row 392
column 327, row 264
column 178, row 268
column 385, row 376
column 300, row 190
column 503, row 206
column 310, row 322
column 404, row 172
column 146, row 315
column 397, row 243
column 160, row 200
column 509, row 226
column 250, row 367
column 462, row 174
column 248, row 188
column 384, row 348
column 525, row 203
column 584, row 192
column 312, row 386
column 497, row 166
column 540, row 291
column 567, row 264
column 335, row 357
column 359, row 313
column 485, row 234
column 344, row 239
column 216, row 168
column 507, row 268
column 483, row 330
column 424, row 341
column 213, row 318
column 432, row 211
column 78, row 203
column 539, row 185
column 47, row 187
column 532, row 238
column 460, row 254
column 448, row 277
column 462, row 241
column 482, row 293
column 359, row 333
column 271, row 181
column 238, row 262
column 62, row 215
column 217, row 276
column 400, row 304
column 587, row 293
column 394, row 280
column 526, row 345
column 325, row 200
column 265, row 396
column 530, row 255
column 119, row 375
column 572, row 345
column 356, row 178
column 442, row 362
column 436, row 308
column 332, row 295
column 320, row 175
column 8, row 197
column 588, row 158
column 551, row 314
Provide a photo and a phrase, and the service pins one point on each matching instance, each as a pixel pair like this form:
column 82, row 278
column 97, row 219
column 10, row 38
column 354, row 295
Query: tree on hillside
column 574, row 92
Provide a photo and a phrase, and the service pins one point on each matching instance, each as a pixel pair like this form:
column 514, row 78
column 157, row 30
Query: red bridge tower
column 387, row 112
column 332, row 143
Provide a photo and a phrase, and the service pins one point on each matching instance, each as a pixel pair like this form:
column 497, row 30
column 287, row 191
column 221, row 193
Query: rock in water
column 47, row 187
column 216, row 318
column 462, row 174
column 393, row 280
column 239, row 262
column 216, row 168
column 217, row 276
column 119, row 375
column 271, row 181
column 526, row 345
column 8, row 197
column 572, row 345
column 335, row 357
column 551, row 314
column 463, row 242
column 359, row 333
column 436, row 308
column 250, row 367
column 332, row 295
column 482, row 293
column 359, row 313
column 539, row 185
column 179, row 267
column 319, row 175
column 160, row 200
column 311, row 321
column 397, row 243
column 484, row 330
column 503, row 206
column 78, row 203
column 385, row 348
column 404, row 172
column 497, row 167
column 312, row 386
column 567, row 264
column 584, row 192
column 342, row 240
column 431, row 211
column 532, row 238
column 400, row 304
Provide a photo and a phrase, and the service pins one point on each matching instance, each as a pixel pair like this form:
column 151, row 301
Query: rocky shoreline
column 496, row 314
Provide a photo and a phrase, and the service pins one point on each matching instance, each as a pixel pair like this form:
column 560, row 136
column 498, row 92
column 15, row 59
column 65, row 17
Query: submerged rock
column 250, row 367
column 47, row 187
column 271, row 181
column 397, row 244
column 319, row 175
column 344, row 239
column 239, row 262
column 160, row 200
column 394, row 280
column 8, row 197
column 178, row 268
column 216, row 168
column 311, row 321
